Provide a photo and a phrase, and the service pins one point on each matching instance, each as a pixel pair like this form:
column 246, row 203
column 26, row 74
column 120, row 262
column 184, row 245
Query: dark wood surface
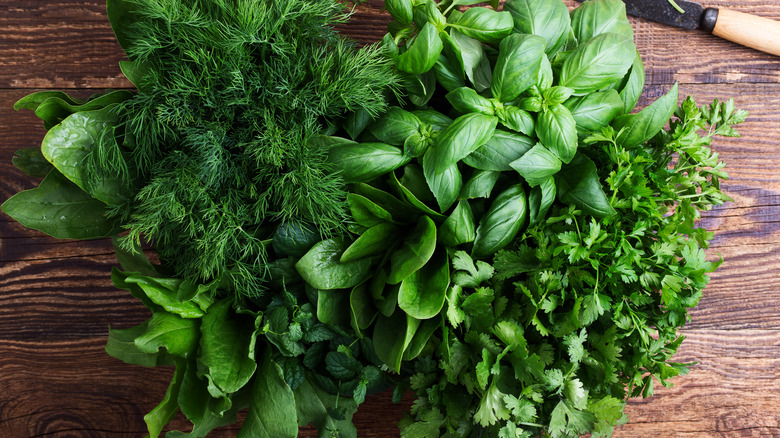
column 57, row 301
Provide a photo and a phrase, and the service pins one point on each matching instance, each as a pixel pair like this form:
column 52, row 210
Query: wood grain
column 57, row 301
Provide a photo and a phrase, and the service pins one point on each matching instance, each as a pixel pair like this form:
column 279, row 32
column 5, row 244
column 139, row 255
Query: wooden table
column 57, row 301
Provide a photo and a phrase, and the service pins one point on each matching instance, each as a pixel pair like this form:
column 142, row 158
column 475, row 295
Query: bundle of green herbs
column 508, row 239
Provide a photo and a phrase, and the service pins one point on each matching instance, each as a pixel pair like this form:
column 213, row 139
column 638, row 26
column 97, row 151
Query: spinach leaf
column 62, row 210
column 121, row 345
column 272, row 412
column 321, row 268
column 415, row 251
column 547, row 18
column 445, row 185
column 537, row 165
column 593, row 18
column 557, row 130
column 164, row 412
column 423, row 53
column 502, row 222
column 502, row 148
column 363, row 162
column 362, row 310
column 635, row 129
column 32, row 162
column 421, row 295
column 331, row 305
column 459, row 227
column 374, row 240
column 578, row 183
column 366, row 212
column 406, row 194
column 597, row 63
column 179, row 336
column 519, row 60
column 392, row 335
column 165, row 293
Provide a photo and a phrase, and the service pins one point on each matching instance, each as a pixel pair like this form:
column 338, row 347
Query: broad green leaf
column 62, row 210
column 33, row 100
column 459, row 227
column 423, row 53
column 32, row 162
column 595, row 110
column 132, row 259
column 555, row 95
column 516, row 119
column 356, row 122
column 519, row 59
column 413, row 179
column 483, row 24
column 465, row 135
column 293, row 239
column 121, row 345
column 466, row 100
column 634, row 85
column 272, row 412
column 437, row 120
column 321, row 268
column 539, row 201
column 362, row 310
column 363, row 162
column 593, row 18
column 421, row 336
column 395, row 126
column 392, row 335
column 537, row 165
column 227, row 347
column 366, row 212
column 502, row 222
column 548, row 19
column 475, row 61
column 448, row 74
column 317, row 407
column 165, row 293
column 419, row 88
column 635, row 129
column 164, row 412
column 205, row 412
column 445, row 185
column 412, row 199
column 422, row 294
column 502, row 148
column 578, row 183
column 179, row 336
column 400, row 10
column 56, row 109
column 480, row 185
column 121, row 16
column 557, row 130
column 601, row 61
column 373, row 241
column 389, row 204
column 68, row 145
column 415, row 251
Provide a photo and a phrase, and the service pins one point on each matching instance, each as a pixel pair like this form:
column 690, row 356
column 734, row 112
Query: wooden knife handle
column 748, row 30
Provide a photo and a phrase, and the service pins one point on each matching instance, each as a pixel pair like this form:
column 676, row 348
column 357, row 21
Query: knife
column 748, row 30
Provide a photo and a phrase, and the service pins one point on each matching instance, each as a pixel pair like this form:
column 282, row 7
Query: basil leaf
column 459, row 227
column 32, row 162
column 519, row 60
column 366, row 212
column 537, row 165
column 557, row 130
column 447, row 74
column 480, row 184
column 395, row 126
column 433, row 15
column 483, row 24
column 392, row 335
column 635, row 129
column 516, row 119
column 68, row 145
column 594, row 18
column 501, row 149
column 422, row 294
column 465, row 135
column 415, row 145
column 632, row 90
column 544, row 79
column 539, row 201
column 179, row 336
column 419, row 88
column 547, row 18
column 502, row 222
column 595, row 110
column 555, row 95
column 62, row 210
column 374, row 240
column 321, row 268
column 445, row 185
column 415, row 251
column 466, row 100
column 423, row 53
column 227, row 347
column 578, row 183
column 356, row 122
column 437, row 120
column 362, row 162
column 475, row 61
column 272, row 412
column 597, row 63
column 400, row 10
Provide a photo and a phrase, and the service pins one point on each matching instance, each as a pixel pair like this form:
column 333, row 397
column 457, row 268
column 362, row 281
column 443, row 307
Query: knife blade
column 748, row 30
